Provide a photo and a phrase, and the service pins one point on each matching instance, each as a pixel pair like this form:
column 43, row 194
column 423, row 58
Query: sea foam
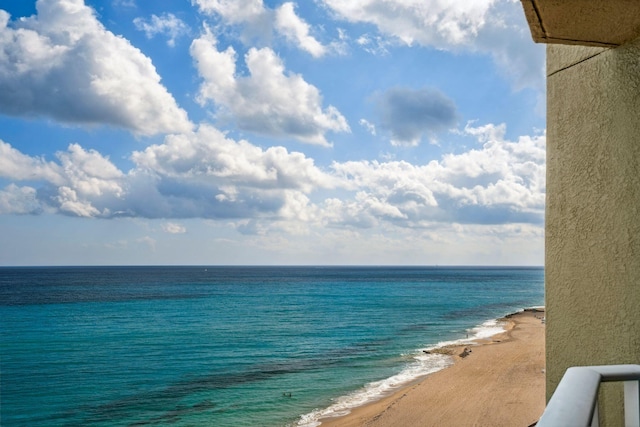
column 421, row 365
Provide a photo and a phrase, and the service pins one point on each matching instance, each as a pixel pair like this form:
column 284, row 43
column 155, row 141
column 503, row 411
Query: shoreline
column 496, row 380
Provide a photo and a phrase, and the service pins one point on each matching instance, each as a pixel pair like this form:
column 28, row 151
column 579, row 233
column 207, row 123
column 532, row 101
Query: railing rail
column 575, row 401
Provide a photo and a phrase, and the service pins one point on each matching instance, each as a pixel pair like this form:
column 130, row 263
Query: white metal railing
column 575, row 401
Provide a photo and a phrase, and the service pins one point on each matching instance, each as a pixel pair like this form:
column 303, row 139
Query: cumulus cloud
column 432, row 22
column 73, row 182
column 261, row 22
column 62, row 63
column 211, row 157
column 167, row 24
column 267, row 101
column 196, row 175
column 208, row 175
column 411, row 113
column 205, row 174
column 17, row 166
column 495, row 27
column 211, row 176
column 296, row 30
column 501, row 182
column 19, row 200
column 90, row 180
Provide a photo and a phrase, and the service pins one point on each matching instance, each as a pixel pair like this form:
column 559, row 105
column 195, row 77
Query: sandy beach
column 495, row 382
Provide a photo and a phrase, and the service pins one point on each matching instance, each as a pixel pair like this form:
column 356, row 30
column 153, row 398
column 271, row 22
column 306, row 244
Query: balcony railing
column 575, row 401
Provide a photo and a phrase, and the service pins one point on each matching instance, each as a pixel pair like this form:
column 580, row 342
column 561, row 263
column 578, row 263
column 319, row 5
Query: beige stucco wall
column 592, row 261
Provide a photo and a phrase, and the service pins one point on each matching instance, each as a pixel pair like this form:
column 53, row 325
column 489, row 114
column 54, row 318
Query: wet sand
column 501, row 382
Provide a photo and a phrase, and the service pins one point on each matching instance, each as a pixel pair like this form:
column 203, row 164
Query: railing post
column 595, row 420
column 631, row 404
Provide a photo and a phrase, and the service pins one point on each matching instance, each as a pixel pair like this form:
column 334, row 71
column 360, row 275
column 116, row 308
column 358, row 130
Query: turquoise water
column 232, row 346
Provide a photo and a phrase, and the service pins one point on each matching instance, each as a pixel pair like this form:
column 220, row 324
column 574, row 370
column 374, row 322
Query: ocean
column 233, row 346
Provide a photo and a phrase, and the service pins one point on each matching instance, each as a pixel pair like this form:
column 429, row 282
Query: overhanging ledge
column 607, row 23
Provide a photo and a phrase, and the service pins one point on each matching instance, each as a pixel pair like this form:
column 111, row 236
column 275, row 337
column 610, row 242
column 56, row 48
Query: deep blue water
column 231, row 346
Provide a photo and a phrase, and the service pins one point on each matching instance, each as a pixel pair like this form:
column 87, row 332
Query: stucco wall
column 592, row 260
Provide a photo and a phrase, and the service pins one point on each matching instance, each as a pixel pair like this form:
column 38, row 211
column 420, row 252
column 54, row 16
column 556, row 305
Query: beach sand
column 501, row 382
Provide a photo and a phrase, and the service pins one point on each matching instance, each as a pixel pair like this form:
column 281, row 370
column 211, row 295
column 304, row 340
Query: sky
column 252, row 132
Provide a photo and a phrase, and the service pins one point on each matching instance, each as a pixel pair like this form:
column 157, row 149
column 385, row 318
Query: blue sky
column 270, row 132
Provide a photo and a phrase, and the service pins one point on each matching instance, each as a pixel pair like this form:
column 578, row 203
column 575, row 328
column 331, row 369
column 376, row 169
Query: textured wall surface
column 592, row 261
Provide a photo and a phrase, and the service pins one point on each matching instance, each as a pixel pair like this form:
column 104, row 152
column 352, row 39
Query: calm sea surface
column 232, row 346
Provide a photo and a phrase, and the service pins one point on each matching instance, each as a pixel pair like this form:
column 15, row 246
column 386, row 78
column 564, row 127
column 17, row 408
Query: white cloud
column 90, row 173
column 69, row 202
column 297, row 30
column 208, row 175
column 62, row 63
column 235, row 12
column 205, row 174
column 431, row 22
column 370, row 127
column 202, row 174
column 495, row 27
column 19, row 200
column 174, row 228
column 501, row 182
column 374, row 45
column 213, row 159
column 255, row 20
column 17, row 166
column 167, row 24
column 91, row 179
column 267, row 101
column 262, row 22
column 502, row 173
column 73, row 185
